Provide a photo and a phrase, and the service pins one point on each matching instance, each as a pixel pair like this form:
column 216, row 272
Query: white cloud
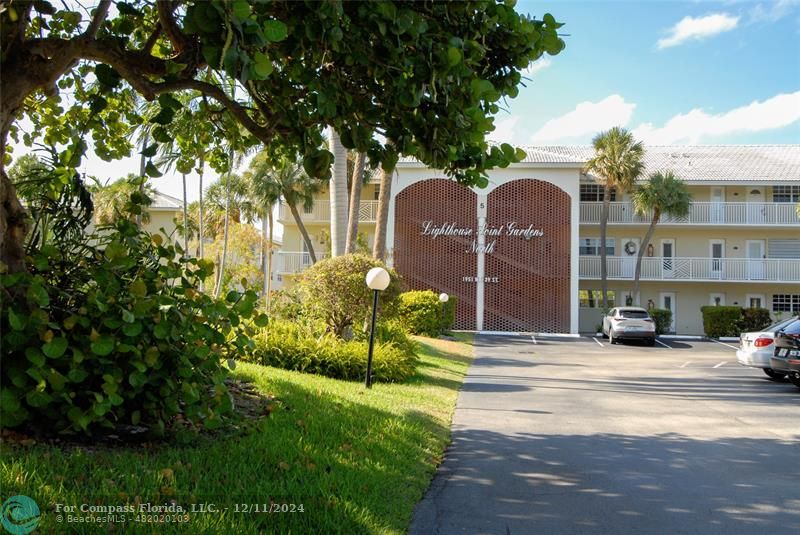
column 773, row 11
column 588, row 118
column 776, row 112
column 537, row 66
column 698, row 28
column 504, row 130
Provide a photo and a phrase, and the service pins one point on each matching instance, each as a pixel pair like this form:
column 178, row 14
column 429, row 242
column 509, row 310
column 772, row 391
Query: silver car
column 629, row 323
column 756, row 348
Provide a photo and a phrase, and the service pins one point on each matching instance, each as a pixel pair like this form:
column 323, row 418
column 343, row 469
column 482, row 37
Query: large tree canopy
column 428, row 76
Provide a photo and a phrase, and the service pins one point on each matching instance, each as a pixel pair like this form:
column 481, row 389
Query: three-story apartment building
column 524, row 253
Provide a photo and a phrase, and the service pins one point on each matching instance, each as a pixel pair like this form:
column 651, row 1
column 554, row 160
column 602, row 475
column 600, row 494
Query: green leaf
column 36, row 398
column 35, row 356
column 152, row 170
column 137, row 288
column 169, row 102
column 107, row 75
column 77, row 375
column 103, row 345
column 275, row 31
column 262, row 66
column 9, row 401
column 261, row 320
column 454, row 56
column 164, row 116
column 38, row 294
column 17, row 321
column 241, row 9
column 126, row 9
column 161, row 330
column 161, row 135
column 149, row 151
column 133, row 329
column 137, row 378
column 55, row 348
column 127, row 316
column 98, row 104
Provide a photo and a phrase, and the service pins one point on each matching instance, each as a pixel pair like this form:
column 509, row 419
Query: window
column 594, row 193
column 786, row 194
column 786, row 303
column 377, row 193
column 594, row 298
column 591, row 246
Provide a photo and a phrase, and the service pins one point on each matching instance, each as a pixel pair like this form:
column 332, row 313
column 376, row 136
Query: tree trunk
column 218, row 289
column 603, row 252
column 646, row 240
column 185, row 218
column 356, row 183
column 142, row 176
column 13, row 225
column 302, row 228
column 338, row 194
column 379, row 247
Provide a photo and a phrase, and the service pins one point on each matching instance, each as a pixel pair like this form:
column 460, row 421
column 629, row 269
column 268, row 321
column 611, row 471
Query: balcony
column 321, row 212
column 700, row 213
column 694, row 269
column 287, row 263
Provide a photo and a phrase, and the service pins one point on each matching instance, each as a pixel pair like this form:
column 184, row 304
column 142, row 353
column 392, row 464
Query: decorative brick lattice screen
column 532, row 292
column 440, row 263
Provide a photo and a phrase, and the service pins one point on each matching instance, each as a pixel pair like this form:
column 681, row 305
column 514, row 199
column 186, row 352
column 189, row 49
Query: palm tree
column 356, row 181
column 294, row 185
column 379, row 247
column 338, row 195
column 113, row 201
column 265, row 194
column 663, row 194
column 617, row 164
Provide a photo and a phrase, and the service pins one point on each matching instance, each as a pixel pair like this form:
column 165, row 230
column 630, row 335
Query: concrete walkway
column 577, row 436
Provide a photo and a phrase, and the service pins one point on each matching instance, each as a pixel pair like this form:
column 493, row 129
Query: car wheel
column 650, row 342
column 795, row 379
column 772, row 374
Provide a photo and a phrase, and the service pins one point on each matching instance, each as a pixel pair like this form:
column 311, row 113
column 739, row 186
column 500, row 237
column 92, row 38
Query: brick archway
column 440, row 263
column 533, row 288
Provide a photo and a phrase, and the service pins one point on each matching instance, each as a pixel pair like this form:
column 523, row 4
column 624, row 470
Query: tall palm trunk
column 185, row 218
column 603, row 252
column 379, row 247
column 269, row 260
column 303, row 232
column 338, row 193
column 645, row 241
column 142, row 165
column 356, row 183
column 218, row 289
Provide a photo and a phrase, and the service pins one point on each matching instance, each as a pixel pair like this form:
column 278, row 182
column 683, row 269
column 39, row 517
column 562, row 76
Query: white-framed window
column 376, row 195
column 591, row 246
column 786, row 303
column 755, row 301
column 785, row 193
column 594, row 298
column 595, row 193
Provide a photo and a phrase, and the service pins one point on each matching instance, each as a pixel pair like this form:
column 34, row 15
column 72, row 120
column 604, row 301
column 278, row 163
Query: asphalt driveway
column 577, row 436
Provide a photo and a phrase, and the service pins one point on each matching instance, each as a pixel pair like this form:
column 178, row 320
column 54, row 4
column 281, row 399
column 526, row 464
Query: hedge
column 662, row 318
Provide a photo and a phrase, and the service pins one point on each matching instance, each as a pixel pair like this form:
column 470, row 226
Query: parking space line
column 726, row 345
column 598, row 342
column 686, row 363
column 663, row 344
column 720, row 364
column 534, row 339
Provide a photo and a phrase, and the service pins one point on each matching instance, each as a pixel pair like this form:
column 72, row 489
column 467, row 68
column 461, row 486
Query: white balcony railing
column 294, row 262
column 694, row 269
column 321, row 212
column 700, row 213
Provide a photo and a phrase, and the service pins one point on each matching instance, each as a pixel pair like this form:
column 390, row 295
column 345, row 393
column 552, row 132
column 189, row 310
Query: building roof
column 698, row 163
column 162, row 201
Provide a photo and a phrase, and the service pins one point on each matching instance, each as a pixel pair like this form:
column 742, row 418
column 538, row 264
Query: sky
column 696, row 72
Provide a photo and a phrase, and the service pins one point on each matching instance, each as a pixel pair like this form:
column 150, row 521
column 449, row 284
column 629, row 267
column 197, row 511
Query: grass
column 357, row 460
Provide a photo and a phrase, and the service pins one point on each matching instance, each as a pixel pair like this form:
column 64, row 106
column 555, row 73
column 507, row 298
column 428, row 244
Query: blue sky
column 673, row 72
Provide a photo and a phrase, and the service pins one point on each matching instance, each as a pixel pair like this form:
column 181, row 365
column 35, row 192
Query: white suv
column 631, row 323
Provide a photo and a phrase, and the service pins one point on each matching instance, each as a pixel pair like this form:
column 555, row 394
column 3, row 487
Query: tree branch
column 97, row 19
column 151, row 41
column 169, row 26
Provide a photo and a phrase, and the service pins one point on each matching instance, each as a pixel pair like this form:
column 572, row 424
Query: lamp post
column 377, row 280
column 443, row 299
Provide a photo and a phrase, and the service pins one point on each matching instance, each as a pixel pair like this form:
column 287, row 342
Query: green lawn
column 357, row 460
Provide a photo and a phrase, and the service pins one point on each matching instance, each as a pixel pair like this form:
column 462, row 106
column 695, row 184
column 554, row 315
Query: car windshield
column 775, row 327
column 633, row 314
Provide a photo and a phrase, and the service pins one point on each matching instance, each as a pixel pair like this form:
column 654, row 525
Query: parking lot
column 570, row 435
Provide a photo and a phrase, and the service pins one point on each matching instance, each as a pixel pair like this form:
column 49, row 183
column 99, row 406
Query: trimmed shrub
column 662, row 318
column 721, row 320
column 393, row 332
column 286, row 304
column 334, row 290
column 449, row 317
column 754, row 319
column 421, row 312
column 112, row 332
column 295, row 347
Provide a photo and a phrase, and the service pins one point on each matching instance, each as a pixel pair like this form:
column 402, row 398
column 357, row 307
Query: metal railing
column 321, row 211
column 700, row 213
column 294, row 261
column 702, row 269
